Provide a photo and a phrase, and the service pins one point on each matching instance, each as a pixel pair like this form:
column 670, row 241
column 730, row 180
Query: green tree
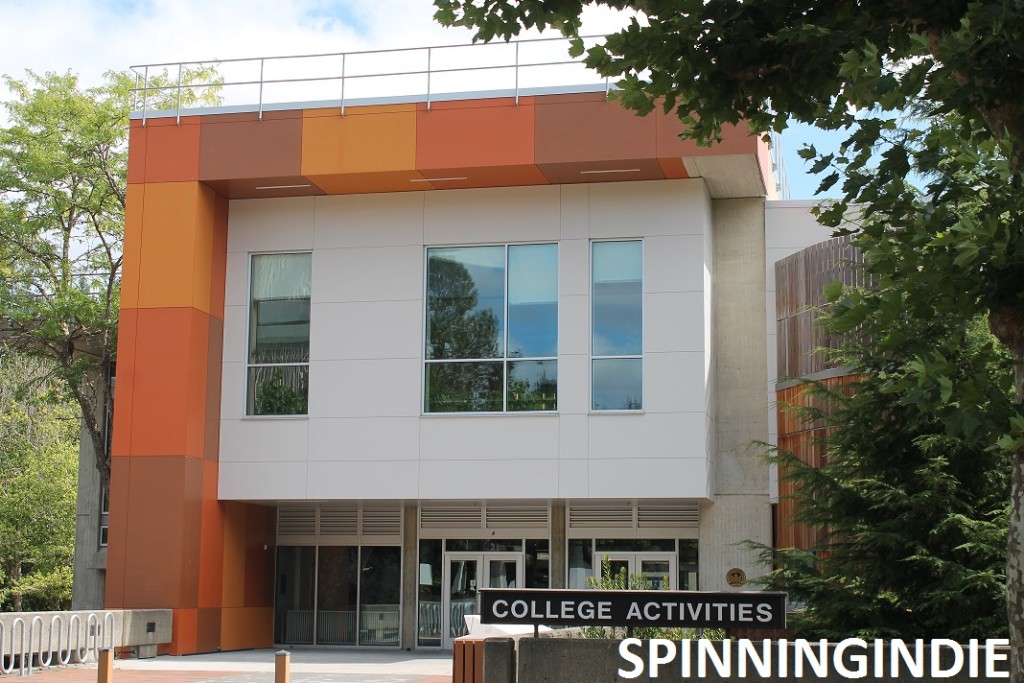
column 910, row 515
column 39, row 431
column 63, row 158
column 954, row 247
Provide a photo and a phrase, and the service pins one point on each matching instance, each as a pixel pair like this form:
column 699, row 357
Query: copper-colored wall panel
column 120, row 473
column 152, row 568
column 172, row 151
column 234, row 555
column 208, row 630
column 211, row 541
column 247, row 627
column 260, row 531
column 136, row 153
column 475, row 134
column 233, row 149
column 191, row 507
column 214, row 368
column 581, row 128
column 218, row 256
column 132, row 251
column 164, row 358
column 184, row 631
column 121, row 441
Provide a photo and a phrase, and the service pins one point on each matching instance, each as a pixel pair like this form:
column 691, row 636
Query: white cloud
column 90, row 37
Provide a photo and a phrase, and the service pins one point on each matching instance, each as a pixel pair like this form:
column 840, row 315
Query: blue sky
column 90, row 37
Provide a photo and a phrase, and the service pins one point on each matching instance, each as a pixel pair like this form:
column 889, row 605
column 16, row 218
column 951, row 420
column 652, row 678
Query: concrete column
column 410, row 574
column 740, row 508
column 557, row 558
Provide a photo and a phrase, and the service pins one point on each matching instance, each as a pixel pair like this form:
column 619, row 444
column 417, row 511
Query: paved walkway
column 257, row 666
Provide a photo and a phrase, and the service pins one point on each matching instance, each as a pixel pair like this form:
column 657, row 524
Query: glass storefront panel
column 581, row 565
column 635, row 545
column 688, row 565
column 338, row 577
column 428, row 625
column 380, row 589
column 478, row 545
column 293, row 615
column 538, row 569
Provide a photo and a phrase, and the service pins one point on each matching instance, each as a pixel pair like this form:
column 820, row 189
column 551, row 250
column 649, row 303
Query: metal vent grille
column 601, row 516
column 296, row 521
column 382, row 521
column 339, row 521
column 682, row 515
column 517, row 517
column 451, row 517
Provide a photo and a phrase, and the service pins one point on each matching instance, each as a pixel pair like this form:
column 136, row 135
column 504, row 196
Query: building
column 375, row 355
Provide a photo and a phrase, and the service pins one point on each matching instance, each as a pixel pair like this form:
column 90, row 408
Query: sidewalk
column 257, row 666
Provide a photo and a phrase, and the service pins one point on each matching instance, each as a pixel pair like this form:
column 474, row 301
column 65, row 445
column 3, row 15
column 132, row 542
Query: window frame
column 643, row 318
column 504, row 358
column 247, row 364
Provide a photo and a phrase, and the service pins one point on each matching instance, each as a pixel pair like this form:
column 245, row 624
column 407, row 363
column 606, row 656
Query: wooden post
column 105, row 669
column 282, row 666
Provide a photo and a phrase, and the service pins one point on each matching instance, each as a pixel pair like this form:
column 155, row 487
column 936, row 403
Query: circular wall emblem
column 736, row 577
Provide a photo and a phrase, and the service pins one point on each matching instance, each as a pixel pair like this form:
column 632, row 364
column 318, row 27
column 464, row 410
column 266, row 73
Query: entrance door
column 659, row 569
column 465, row 575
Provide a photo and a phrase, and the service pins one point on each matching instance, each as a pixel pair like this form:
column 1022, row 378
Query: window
column 492, row 329
column 617, row 326
column 278, row 367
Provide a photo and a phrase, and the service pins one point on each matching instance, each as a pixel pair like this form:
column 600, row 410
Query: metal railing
column 424, row 74
column 60, row 638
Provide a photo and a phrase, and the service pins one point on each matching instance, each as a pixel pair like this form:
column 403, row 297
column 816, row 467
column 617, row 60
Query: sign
column 697, row 609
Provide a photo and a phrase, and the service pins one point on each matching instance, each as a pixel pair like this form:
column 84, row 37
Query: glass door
column 465, row 575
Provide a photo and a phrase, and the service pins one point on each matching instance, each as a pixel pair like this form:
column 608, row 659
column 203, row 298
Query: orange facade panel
column 589, row 127
column 471, row 134
column 168, row 381
column 176, row 250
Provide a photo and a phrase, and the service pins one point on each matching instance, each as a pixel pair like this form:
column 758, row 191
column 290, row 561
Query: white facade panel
column 493, row 479
column 508, row 438
column 364, row 388
column 367, row 274
column 345, row 439
column 493, row 215
column 366, row 420
column 271, row 225
column 369, row 220
column 363, row 480
column 340, row 330
column 648, row 478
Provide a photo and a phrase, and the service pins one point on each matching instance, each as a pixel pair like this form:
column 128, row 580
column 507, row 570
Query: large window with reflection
column 492, row 329
column 617, row 325
column 278, row 361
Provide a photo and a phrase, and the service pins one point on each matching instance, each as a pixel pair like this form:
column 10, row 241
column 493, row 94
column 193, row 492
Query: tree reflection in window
column 485, row 307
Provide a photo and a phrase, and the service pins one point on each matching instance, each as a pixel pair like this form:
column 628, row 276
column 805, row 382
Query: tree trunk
column 1007, row 324
column 16, row 596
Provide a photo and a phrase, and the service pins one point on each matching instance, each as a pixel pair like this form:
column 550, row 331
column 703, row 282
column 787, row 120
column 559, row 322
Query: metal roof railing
column 426, row 74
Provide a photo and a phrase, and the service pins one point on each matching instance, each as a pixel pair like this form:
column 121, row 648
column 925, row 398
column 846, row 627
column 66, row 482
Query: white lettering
column 684, row 657
column 915, row 663
column 634, row 659
column 972, row 658
column 585, row 609
column 604, row 610
column 958, row 658
column 764, row 612
column 634, row 611
column 879, row 658
column 744, row 612
column 723, row 664
column 861, row 661
column 991, row 657
column 566, row 609
column 804, row 653
column 762, row 663
column 656, row 660
column 500, row 605
column 519, row 609
column 648, row 615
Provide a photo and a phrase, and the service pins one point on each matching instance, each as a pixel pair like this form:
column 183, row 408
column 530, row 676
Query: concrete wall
column 740, row 510
column 90, row 559
column 365, row 436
